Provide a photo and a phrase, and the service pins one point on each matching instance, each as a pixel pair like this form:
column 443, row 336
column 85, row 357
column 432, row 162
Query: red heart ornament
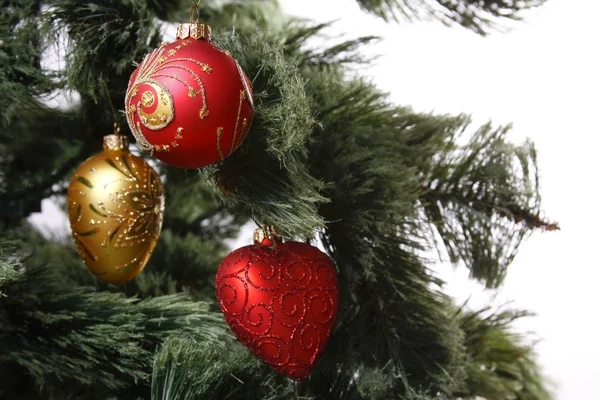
column 280, row 300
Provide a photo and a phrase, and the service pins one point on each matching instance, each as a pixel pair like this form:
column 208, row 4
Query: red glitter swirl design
column 281, row 303
column 234, row 292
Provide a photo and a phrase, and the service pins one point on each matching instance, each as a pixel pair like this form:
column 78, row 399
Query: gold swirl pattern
column 116, row 206
column 162, row 113
column 156, row 108
column 281, row 303
column 247, row 91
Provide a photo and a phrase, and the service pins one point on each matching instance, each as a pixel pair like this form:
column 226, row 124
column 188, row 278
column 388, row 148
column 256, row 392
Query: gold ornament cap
column 194, row 30
column 267, row 236
column 115, row 143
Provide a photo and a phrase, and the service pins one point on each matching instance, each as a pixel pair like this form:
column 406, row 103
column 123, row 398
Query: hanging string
column 195, row 8
column 255, row 221
column 117, row 128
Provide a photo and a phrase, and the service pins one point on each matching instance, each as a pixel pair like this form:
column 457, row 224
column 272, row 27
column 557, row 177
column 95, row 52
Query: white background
column 543, row 76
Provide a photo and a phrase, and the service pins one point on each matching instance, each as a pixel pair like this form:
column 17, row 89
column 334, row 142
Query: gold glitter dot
column 148, row 99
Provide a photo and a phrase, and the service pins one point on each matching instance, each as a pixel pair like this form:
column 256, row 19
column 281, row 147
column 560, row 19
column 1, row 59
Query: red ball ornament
column 189, row 103
column 280, row 300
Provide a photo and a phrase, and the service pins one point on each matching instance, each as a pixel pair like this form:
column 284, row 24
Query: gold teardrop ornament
column 116, row 206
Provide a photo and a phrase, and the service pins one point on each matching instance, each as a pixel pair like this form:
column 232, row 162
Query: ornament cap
column 194, row 30
column 267, row 236
column 115, row 143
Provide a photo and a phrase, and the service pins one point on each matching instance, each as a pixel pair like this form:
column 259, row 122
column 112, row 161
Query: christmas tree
column 327, row 159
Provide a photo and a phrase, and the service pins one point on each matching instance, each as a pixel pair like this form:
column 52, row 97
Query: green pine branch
column 391, row 313
column 59, row 339
column 483, row 199
column 21, row 48
column 105, row 39
column 326, row 152
column 189, row 369
column 501, row 364
column 268, row 177
column 479, row 16
column 206, row 216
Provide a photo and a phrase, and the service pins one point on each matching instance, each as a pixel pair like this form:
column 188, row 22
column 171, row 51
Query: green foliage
column 327, row 153
column 483, row 199
column 264, row 16
column 105, row 38
column 9, row 265
column 66, row 339
column 206, row 216
column 31, row 161
column 188, row 369
column 21, row 47
column 187, row 261
column 476, row 15
column 163, row 8
column 268, row 176
column 500, row 365
column 23, row 81
column 372, row 214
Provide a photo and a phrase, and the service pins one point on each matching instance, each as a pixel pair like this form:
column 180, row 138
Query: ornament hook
column 116, row 127
column 255, row 221
column 267, row 236
column 195, row 8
